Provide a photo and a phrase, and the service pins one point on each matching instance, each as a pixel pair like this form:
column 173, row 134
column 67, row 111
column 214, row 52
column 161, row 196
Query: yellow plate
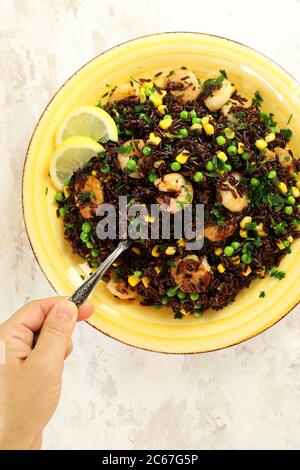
column 146, row 327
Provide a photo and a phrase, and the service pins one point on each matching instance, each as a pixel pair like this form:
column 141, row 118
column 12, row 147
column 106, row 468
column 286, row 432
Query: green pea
column 167, row 116
column 235, row 245
column 228, row 250
column 148, row 91
column 255, row 181
column 196, row 120
column 95, row 253
column 198, row 313
column 146, row 150
column 171, row 292
column 62, row 211
column 194, row 296
column 288, row 210
column 246, row 258
column 183, row 132
column 184, row 115
column 175, row 166
column 128, row 132
column 291, row 200
column 210, row 166
column 272, row 174
column 86, row 227
column 59, row 197
column 181, row 295
column 198, row 177
column 193, row 114
column 89, row 245
column 138, row 273
column 165, row 300
column 84, row 237
column 152, row 177
column 229, row 133
column 131, row 165
column 105, row 168
column 286, row 243
column 245, row 156
column 221, row 140
column 94, row 263
column 231, row 150
column 227, row 167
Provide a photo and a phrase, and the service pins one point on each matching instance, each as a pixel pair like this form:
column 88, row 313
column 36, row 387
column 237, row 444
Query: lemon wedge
column 89, row 121
column 71, row 155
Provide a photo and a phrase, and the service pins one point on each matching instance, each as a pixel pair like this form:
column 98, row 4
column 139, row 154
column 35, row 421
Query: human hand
column 30, row 376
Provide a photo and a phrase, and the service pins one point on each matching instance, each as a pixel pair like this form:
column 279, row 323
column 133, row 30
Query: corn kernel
column 171, row 250
column 236, row 260
column 66, row 191
column 218, row 251
column 243, row 233
column 157, row 269
column 157, row 98
column 247, row 272
column 260, row 230
column 196, row 127
column 295, row 192
column 290, row 239
column 136, row 250
column 298, row 184
column 142, row 95
column 270, row 137
column 261, row 144
column 241, row 147
column 158, row 163
column 209, row 129
column 183, row 311
column 181, row 242
column 146, row 281
column 282, row 187
column 222, row 156
column 205, row 120
column 182, row 157
column 94, row 173
column 154, row 139
column 280, row 245
column 155, row 251
column 165, row 123
column 261, row 272
column 221, row 268
column 149, row 219
column 245, row 220
column 133, row 280
column 162, row 109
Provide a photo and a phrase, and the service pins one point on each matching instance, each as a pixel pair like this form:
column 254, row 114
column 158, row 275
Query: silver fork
column 82, row 293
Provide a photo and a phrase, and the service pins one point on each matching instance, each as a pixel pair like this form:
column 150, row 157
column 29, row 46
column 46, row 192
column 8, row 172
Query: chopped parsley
column 125, row 148
column 287, row 133
column 262, row 294
column 223, row 72
column 280, row 228
column 289, row 119
column 258, row 99
column 46, row 191
column 86, row 196
column 277, row 274
column 178, row 315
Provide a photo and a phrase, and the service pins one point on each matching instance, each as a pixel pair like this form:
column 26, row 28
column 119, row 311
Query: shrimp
column 120, row 290
column 219, row 96
column 124, row 91
column 135, row 146
column 285, row 158
column 184, row 84
column 192, row 273
column 231, row 198
column 216, row 233
column 174, row 183
column 226, row 110
column 93, row 188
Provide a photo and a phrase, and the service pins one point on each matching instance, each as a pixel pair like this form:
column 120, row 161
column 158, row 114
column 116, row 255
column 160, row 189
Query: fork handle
column 82, row 293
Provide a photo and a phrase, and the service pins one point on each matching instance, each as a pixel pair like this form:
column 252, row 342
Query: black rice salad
column 182, row 142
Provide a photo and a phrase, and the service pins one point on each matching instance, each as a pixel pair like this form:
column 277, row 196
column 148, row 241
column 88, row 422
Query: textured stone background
column 114, row 396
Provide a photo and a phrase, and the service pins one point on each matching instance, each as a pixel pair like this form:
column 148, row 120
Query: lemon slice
column 89, row 121
column 71, row 155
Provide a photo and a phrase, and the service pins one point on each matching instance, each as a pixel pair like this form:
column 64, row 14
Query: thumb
column 55, row 334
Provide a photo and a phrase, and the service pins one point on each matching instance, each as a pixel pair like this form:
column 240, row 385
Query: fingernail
column 66, row 310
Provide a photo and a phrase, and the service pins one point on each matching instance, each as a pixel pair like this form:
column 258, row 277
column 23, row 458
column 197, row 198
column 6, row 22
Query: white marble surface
column 114, row 397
